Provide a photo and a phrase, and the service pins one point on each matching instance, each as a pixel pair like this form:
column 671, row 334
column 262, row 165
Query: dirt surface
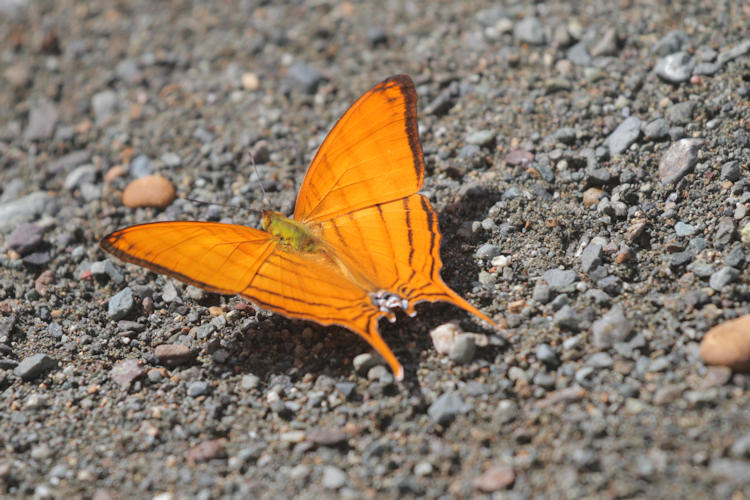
column 589, row 166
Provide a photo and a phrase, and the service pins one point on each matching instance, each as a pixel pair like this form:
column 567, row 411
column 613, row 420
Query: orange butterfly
column 361, row 243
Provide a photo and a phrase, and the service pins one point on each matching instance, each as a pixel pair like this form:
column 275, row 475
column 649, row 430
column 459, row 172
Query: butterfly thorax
column 290, row 233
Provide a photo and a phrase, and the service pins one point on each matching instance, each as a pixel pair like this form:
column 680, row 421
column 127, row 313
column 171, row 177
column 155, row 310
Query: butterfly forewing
column 371, row 156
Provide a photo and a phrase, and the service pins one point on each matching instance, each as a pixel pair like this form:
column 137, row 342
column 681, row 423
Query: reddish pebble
column 728, row 344
column 114, row 172
column 495, row 478
column 208, row 450
column 172, row 354
column 519, row 157
column 592, row 196
column 126, row 371
column 150, row 191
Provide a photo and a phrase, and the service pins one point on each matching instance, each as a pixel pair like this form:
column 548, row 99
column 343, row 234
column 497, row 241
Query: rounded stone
column 150, row 191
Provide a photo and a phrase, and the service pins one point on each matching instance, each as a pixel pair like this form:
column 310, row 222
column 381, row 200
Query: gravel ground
column 589, row 164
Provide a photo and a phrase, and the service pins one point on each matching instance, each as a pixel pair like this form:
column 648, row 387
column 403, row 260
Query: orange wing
column 396, row 245
column 231, row 259
column 372, row 155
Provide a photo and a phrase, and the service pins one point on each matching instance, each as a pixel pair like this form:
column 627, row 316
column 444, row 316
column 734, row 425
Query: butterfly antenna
column 260, row 181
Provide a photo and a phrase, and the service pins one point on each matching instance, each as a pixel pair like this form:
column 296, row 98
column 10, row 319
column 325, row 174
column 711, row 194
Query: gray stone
column 197, row 388
column 670, row 43
column 26, row 238
column 678, row 160
column 120, row 304
column 34, row 366
column 738, row 50
column 624, row 135
column 541, row 292
column 567, row 318
column 731, row 171
column 249, row 381
column 445, row 408
column 481, row 137
column 675, row 68
column 611, row 328
column 684, row 229
column 304, row 78
column 82, row 174
column 600, row 360
column 140, row 166
column 333, row 478
column 559, row 279
column 579, row 55
column 487, row 251
column 42, row 121
column 546, row 355
column 530, row 30
column 105, row 104
column 23, row 209
column 591, row 257
column 681, row 113
column 656, row 129
column 723, row 277
column 463, row 349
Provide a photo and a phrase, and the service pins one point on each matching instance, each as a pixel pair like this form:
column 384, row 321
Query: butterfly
column 361, row 244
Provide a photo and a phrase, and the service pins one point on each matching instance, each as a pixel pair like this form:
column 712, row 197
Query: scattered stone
column 519, row 157
column 487, row 251
column 728, row 344
column 592, row 196
column 541, row 292
column 104, row 104
column 364, row 362
column 723, row 277
column 611, row 328
column 34, row 366
column 304, row 78
column 444, row 336
column 495, row 478
column 656, row 130
column 125, row 372
column 463, row 349
column 670, row 43
column 172, row 354
column 208, row 450
column 731, row 171
column 333, row 478
column 591, row 257
column 249, row 382
column 559, row 279
column 675, row 68
column 684, row 229
column 150, row 191
column 445, row 408
column 23, row 209
column 530, row 30
column 624, row 135
column 738, row 50
column 198, row 388
column 327, row 437
column 26, row 238
column 681, row 113
column 42, row 121
column 567, row 318
column 120, row 304
column 481, row 137
column 679, row 160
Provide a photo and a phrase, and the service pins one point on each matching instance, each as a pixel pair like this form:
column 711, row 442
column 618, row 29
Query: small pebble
column 444, row 336
column 197, row 388
column 120, row 304
column 495, row 478
column 446, row 407
column 172, row 354
column 624, row 135
column 463, row 349
column 333, row 478
column 559, row 279
column 34, row 366
column 728, row 344
column 675, row 68
column 126, row 371
column 208, row 450
column 611, row 328
column 678, row 161
column 150, row 191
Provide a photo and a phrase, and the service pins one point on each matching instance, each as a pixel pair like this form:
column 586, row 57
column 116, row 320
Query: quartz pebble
column 728, row 344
